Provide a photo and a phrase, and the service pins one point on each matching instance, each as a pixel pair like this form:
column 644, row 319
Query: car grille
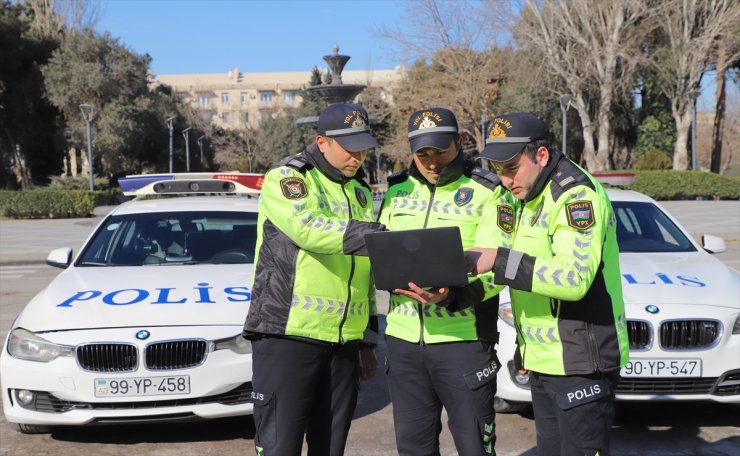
column 175, row 355
column 666, row 386
column 640, row 334
column 107, row 357
column 48, row 403
column 683, row 334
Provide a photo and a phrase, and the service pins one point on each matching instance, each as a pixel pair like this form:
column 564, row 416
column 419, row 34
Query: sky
column 213, row 36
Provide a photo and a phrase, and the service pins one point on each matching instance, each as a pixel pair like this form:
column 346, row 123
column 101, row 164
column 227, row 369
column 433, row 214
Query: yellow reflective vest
column 312, row 276
column 563, row 272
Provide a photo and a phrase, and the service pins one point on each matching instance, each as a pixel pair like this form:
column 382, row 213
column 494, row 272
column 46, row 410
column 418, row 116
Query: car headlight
column 237, row 344
column 506, row 314
column 24, row 344
column 736, row 327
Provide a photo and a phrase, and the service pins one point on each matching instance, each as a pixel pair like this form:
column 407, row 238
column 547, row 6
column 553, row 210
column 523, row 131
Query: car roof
column 228, row 203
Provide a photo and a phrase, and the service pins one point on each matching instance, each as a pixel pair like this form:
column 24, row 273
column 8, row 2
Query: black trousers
column 458, row 376
column 573, row 415
column 303, row 388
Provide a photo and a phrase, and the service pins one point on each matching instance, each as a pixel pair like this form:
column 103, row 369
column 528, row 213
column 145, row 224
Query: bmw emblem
column 143, row 334
column 652, row 309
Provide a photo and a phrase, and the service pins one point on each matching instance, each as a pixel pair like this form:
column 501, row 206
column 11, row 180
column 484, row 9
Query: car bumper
column 64, row 394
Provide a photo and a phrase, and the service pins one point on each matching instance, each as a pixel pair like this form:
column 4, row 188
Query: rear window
column 173, row 238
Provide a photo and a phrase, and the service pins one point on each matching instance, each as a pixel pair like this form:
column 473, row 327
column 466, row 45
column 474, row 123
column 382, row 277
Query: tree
column 97, row 70
column 454, row 65
column 693, row 29
column 27, row 121
column 587, row 44
column 51, row 17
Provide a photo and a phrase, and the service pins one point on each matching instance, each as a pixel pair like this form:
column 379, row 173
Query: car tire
column 31, row 428
column 504, row 406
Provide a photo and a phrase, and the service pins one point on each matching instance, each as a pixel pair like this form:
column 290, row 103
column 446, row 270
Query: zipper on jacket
column 592, row 347
column 419, row 306
column 351, row 274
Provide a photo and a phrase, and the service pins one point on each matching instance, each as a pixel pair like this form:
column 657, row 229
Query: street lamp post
column 377, row 166
column 186, row 135
column 564, row 103
column 87, row 113
column 693, row 95
column 200, row 145
column 170, row 123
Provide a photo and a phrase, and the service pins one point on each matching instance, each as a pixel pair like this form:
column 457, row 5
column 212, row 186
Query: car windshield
column 643, row 227
column 173, row 238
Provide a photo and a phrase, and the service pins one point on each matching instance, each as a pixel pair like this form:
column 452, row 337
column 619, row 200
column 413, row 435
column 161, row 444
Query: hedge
column 46, row 203
column 660, row 185
column 685, row 185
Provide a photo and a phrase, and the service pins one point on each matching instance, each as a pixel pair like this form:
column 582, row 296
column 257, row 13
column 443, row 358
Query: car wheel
column 31, row 428
column 504, row 406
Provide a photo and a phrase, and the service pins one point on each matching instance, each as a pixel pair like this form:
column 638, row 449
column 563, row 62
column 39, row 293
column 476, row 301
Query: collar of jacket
column 545, row 175
column 450, row 173
column 317, row 159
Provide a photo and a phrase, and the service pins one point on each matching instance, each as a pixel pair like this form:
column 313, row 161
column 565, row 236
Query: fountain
column 335, row 91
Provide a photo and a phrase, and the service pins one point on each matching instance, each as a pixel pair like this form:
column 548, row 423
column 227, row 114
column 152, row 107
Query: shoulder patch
column 463, row 196
column 398, row 177
column 485, row 177
column 361, row 197
column 580, row 214
column 505, row 218
column 293, row 188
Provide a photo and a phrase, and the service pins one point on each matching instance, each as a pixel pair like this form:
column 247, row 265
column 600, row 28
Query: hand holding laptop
column 431, row 296
column 480, row 260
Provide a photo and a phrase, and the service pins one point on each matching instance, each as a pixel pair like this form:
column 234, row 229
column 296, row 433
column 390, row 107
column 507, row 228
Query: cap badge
column 463, row 196
column 358, row 122
column 497, row 132
column 427, row 123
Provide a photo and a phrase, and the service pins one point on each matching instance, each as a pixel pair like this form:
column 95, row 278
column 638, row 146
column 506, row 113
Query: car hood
column 680, row 278
column 105, row 297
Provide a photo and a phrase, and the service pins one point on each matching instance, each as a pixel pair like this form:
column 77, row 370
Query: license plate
column 662, row 368
column 142, row 386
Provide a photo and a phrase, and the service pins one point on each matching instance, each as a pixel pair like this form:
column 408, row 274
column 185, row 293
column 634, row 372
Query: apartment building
column 237, row 100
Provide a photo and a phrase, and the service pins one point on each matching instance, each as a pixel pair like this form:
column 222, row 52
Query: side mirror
column 60, row 258
column 713, row 244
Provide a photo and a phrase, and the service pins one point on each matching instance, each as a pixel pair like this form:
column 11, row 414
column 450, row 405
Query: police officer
column 441, row 341
column 566, row 294
column 313, row 301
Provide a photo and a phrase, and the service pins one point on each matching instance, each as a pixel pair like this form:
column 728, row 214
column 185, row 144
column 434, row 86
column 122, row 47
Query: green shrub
column 654, row 159
column 683, row 185
column 49, row 203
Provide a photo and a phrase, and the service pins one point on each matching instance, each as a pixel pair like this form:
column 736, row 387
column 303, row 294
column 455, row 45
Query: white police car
column 682, row 309
column 144, row 324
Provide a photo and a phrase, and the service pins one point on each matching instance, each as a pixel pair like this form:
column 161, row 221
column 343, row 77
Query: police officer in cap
column 441, row 340
column 566, row 293
column 313, row 313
